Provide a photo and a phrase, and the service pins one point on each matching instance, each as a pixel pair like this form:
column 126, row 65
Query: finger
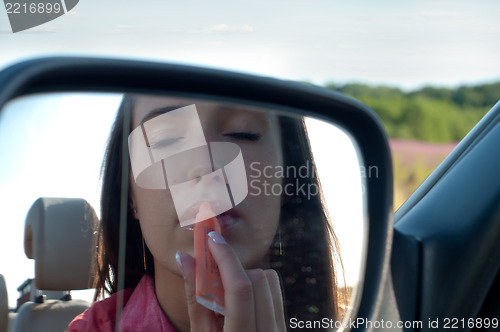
column 264, row 307
column 279, row 312
column 200, row 318
column 238, row 291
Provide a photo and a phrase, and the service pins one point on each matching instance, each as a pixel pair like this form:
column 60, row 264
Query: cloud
column 224, row 28
column 120, row 28
column 440, row 14
column 39, row 29
column 489, row 29
column 75, row 13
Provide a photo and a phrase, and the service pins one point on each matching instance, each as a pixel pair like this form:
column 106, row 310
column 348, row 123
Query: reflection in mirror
column 284, row 195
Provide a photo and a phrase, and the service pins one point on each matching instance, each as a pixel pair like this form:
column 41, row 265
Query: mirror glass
column 286, row 193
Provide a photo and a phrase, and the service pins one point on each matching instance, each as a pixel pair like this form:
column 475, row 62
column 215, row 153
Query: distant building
column 25, row 290
column 28, row 292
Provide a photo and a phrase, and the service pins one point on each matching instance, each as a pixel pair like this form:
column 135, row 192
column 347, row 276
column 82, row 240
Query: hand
column 252, row 298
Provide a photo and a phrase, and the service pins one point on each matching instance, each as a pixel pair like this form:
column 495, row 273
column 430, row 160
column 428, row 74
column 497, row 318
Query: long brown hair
column 310, row 260
column 305, row 252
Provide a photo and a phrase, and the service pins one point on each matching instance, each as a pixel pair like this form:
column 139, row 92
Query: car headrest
column 4, row 305
column 59, row 236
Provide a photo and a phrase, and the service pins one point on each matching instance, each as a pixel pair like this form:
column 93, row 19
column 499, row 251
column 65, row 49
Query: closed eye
column 243, row 136
column 165, row 142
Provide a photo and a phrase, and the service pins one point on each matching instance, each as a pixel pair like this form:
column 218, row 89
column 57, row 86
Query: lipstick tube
column 209, row 289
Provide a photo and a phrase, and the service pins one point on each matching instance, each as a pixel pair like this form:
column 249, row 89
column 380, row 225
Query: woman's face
column 250, row 226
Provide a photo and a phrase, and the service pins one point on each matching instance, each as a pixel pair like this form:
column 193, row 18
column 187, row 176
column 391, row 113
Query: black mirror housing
column 109, row 75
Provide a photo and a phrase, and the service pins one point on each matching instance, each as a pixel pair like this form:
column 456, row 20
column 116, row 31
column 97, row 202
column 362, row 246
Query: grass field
column 413, row 161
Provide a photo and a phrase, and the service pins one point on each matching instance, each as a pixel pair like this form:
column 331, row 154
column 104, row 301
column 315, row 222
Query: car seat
column 6, row 316
column 59, row 236
column 4, row 305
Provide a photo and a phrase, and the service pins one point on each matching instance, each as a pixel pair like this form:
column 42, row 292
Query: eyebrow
column 159, row 111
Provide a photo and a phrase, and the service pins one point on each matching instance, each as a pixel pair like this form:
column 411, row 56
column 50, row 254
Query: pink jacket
column 141, row 312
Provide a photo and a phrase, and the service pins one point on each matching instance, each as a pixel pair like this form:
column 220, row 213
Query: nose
column 193, row 166
column 205, row 175
column 198, row 170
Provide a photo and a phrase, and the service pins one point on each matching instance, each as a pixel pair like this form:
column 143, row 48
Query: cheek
column 253, row 241
column 156, row 215
column 265, row 183
column 262, row 205
column 154, row 207
column 161, row 229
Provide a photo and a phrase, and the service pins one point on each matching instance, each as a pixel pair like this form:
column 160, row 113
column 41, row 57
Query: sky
column 406, row 44
column 399, row 43
column 51, row 146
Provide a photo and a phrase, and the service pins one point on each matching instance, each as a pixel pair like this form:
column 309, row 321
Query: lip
column 228, row 219
column 227, row 216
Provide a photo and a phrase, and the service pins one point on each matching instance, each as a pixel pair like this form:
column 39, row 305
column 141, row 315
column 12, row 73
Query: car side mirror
column 281, row 151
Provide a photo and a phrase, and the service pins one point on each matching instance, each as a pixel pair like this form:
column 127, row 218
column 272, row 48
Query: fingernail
column 179, row 263
column 216, row 237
